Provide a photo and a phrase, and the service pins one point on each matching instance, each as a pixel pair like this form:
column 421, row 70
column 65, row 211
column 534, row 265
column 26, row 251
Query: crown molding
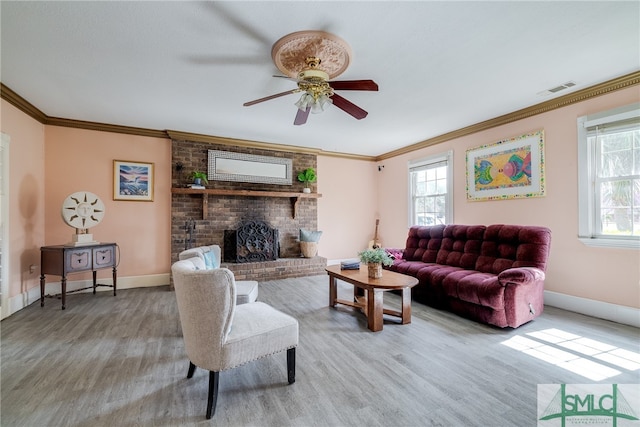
column 21, row 104
column 609, row 86
column 105, row 127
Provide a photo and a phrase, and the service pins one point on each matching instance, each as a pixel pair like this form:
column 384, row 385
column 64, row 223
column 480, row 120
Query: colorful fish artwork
column 509, row 168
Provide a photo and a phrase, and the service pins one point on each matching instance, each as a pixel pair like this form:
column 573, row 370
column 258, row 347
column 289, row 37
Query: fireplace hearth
column 251, row 241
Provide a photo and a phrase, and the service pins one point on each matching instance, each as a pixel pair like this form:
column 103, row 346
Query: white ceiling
column 189, row 66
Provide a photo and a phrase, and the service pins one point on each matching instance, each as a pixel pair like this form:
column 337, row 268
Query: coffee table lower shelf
column 368, row 294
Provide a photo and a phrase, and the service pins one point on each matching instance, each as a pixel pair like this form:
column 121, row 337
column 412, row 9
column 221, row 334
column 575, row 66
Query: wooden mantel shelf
column 295, row 197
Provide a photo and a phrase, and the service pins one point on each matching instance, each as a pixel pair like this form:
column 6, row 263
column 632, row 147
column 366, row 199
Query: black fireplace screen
column 252, row 241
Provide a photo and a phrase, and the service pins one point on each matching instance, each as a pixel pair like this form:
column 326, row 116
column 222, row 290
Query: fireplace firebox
column 251, row 241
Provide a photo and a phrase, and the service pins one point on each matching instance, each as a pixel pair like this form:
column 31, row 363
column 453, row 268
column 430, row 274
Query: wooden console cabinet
column 62, row 260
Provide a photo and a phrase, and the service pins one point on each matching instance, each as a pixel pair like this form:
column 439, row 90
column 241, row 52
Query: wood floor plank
column 108, row 361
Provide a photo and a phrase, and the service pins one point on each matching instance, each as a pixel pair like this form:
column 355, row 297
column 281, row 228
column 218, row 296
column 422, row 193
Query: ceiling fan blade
column 267, row 98
column 348, row 107
column 354, row 85
column 301, row 116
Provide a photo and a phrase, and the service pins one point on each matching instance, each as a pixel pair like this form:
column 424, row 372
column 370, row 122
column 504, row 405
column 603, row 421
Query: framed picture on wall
column 512, row 168
column 133, row 181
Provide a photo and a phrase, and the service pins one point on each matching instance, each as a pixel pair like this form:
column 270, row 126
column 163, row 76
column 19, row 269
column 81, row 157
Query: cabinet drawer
column 104, row 257
column 78, row 260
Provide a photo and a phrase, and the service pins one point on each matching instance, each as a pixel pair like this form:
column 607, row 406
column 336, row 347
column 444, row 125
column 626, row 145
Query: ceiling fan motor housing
column 313, row 74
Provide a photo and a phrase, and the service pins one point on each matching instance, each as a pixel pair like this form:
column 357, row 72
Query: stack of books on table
column 350, row 264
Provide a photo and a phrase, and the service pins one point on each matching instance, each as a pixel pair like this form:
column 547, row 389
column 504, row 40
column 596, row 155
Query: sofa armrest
column 520, row 276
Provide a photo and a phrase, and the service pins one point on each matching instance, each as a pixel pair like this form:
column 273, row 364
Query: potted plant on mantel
column 375, row 258
column 199, row 178
column 307, row 176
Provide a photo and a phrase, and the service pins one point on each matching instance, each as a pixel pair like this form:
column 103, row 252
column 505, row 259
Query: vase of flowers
column 375, row 259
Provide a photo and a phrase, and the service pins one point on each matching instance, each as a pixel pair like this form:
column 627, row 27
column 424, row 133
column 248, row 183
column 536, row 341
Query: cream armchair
column 220, row 335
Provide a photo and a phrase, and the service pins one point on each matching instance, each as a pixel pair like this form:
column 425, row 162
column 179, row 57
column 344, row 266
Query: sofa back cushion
column 488, row 249
column 509, row 246
column 423, row 243
column 461, row 245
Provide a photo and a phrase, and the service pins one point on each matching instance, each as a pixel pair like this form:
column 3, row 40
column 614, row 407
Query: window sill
column 610, row 243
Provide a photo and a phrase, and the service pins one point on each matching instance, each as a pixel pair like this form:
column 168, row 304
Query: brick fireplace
column 199, row 219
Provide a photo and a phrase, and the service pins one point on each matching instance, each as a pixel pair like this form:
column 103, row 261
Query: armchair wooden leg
column 291, row 365
column 213, row 393
column 192, row 369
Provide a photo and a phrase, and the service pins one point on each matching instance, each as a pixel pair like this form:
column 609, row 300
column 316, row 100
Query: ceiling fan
column 313, row 59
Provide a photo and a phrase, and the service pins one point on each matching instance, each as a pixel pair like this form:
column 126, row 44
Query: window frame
column 587, row 197
column 426, row 161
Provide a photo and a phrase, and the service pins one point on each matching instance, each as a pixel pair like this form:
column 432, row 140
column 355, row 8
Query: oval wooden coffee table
column 371, row 302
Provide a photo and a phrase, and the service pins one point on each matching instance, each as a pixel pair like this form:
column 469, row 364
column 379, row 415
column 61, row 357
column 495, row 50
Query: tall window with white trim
column 430, row 185
column 609, row 177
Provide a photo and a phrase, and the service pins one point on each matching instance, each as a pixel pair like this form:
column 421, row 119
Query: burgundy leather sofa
column 492, row 274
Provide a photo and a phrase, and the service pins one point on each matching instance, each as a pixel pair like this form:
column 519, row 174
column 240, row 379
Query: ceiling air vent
column 557, row 88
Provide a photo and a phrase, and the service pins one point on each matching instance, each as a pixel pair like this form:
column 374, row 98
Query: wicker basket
column 309, row 249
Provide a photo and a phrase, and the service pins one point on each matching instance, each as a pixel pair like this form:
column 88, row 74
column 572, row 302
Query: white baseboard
column 603, row 310
column 32, row 295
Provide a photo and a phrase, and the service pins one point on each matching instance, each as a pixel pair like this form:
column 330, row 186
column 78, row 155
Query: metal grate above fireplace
column 252, row 241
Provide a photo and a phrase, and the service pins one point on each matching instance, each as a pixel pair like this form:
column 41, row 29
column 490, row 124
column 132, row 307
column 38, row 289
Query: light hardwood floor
column 120, row 361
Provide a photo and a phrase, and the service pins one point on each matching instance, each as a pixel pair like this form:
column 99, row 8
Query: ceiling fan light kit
column 316, row 105
column 313, row 58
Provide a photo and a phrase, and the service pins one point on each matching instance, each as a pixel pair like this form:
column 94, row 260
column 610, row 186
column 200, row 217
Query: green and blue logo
column 588, row 404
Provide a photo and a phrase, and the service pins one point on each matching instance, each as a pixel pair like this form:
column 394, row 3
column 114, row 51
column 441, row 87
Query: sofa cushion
column 482, row 289
column 210, row 260
column 310, row 236
column 508, row 246
column 423, row 243
column 407, row 267
column 460, row 246
column 435, row 274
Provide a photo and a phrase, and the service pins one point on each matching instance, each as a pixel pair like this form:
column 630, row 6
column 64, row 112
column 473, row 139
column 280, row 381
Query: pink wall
column 346, row 211
column 26, row 196
column 82, row 160
column 604, row 274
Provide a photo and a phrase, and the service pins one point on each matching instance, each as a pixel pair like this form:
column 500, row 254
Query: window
column 609, row 177
column 430, row 185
